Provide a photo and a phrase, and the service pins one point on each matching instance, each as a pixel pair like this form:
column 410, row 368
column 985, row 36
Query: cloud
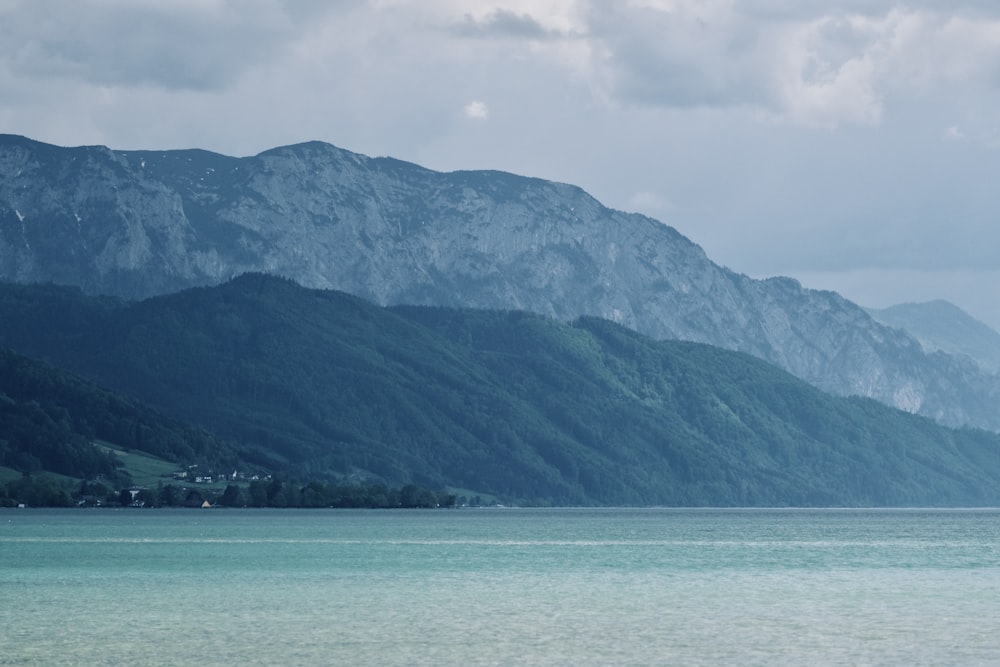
column 175, row 45
column 519, row 19
column 476, row 110
column 811, row 64
column 828, row 72
column 502, row 23
column 649, row 203
column 954, row 133
column 687, row 55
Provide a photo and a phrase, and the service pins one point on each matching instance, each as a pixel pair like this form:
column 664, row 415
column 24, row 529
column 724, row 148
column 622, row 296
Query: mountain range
column 135, row 224
column 941, row 326
column 319, row 384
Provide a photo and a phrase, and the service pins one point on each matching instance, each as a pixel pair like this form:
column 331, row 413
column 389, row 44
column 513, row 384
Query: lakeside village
column 205, row 493
column 200, row 487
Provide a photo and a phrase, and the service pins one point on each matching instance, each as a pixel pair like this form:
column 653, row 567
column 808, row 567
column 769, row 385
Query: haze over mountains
column 140, row 223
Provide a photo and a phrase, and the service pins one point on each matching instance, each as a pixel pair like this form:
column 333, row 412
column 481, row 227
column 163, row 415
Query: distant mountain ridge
column 318, row 384
column 942, row 326
column 141, row 223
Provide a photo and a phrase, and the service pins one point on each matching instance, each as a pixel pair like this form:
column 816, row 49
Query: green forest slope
column 51, row 422
column 323, row 385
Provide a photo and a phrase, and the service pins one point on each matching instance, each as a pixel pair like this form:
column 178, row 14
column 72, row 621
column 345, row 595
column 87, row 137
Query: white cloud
column 650, row 203
column 476, row 110
column 954, row 133
column 825, row 73
column 527, row 18
column 819, row 64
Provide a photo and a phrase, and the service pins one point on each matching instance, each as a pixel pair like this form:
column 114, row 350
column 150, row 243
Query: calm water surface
column 500, row 587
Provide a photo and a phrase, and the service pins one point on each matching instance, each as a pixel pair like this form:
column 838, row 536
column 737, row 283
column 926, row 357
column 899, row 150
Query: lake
column 499, row 587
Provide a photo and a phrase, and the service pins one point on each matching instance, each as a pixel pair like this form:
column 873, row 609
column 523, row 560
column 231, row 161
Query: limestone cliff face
column 136, row 224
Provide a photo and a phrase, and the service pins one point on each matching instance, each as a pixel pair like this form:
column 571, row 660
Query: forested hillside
column 327, row 386
column 50, row 421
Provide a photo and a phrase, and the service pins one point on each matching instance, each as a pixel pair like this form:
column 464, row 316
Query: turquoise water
column 500, row 587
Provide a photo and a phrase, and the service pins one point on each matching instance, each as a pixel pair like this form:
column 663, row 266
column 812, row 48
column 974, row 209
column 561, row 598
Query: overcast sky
column 852, row 144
